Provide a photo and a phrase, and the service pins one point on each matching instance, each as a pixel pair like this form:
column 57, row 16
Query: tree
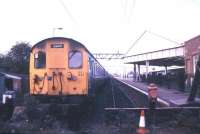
column 19, row 57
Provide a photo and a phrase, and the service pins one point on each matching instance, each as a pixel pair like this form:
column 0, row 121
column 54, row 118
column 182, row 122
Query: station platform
column 170, row 97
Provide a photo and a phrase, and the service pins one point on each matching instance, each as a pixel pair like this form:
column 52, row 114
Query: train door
column 90, row 74
column 56, row 67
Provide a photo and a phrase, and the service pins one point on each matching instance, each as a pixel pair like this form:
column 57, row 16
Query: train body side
column 97, row 76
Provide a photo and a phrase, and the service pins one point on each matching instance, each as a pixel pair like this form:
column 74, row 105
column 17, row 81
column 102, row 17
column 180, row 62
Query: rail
column 158, row 108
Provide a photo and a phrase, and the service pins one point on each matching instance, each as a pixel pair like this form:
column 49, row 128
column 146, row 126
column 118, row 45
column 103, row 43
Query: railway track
column 120, row 99
column 99, row 121
column 48, row 120
column 180, row 121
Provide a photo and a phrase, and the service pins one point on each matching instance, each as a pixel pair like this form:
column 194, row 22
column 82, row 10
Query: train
column 62, row 70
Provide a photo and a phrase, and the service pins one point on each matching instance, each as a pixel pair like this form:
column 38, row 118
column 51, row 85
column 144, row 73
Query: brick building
column 192, row 52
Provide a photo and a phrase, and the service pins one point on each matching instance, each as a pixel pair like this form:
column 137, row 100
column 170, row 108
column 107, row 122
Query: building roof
column 10, row 76
column 72, row 41
column 166, row 57
column 196, row 37
column 172, row 61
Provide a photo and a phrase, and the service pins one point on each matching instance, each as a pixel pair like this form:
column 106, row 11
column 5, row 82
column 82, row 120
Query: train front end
column 58, row 71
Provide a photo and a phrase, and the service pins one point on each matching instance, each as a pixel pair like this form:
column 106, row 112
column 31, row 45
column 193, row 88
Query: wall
column 192, row 50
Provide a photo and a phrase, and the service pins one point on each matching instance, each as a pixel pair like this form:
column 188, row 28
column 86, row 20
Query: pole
column 54, row 29
column 147, row 68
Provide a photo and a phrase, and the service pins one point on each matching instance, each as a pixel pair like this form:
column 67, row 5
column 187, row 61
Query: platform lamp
column 57, row 28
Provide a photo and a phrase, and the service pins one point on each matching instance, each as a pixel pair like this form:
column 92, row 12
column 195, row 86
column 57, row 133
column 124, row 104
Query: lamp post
column 54, row 29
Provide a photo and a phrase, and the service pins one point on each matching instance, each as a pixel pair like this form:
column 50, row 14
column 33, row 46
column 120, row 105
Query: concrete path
column 171, row 96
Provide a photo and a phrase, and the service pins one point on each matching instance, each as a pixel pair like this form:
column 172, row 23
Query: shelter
column 9, row 82
column 165, row 57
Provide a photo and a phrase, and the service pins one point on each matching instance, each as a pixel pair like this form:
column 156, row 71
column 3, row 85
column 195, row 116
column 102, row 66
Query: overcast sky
column 101, row 25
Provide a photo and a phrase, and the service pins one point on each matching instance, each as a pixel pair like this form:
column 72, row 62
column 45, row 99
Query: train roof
column 60, row 38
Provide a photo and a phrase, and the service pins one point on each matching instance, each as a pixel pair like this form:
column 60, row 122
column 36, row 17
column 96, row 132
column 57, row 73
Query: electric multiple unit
column 63, row 70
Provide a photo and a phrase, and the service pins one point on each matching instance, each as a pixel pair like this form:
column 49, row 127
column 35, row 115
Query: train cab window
column 75, row 59
column 40, row 59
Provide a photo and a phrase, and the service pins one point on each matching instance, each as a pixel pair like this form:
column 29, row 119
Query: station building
column 192, row 53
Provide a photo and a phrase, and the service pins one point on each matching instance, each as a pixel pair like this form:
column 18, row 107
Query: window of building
column 9, row 84
column 40, row 59
column 195, row 59
column 75, row 59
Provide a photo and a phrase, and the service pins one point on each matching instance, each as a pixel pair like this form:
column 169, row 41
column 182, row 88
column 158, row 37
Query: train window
column 75, row 59
column 40, row 59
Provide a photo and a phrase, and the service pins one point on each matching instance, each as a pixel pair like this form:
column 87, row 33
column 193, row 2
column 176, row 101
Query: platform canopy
column 166, row 57
column 173, row 61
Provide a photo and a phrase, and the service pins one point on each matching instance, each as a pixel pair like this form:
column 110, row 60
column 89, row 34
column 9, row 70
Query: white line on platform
column 159, row 99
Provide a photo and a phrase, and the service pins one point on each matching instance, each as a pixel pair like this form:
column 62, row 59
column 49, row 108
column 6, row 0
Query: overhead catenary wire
column 67, row 11
column 124, row 6
column 128, row 7
column 131, row 14
column 155, row 34
column 136, row 41
column 165, row 38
